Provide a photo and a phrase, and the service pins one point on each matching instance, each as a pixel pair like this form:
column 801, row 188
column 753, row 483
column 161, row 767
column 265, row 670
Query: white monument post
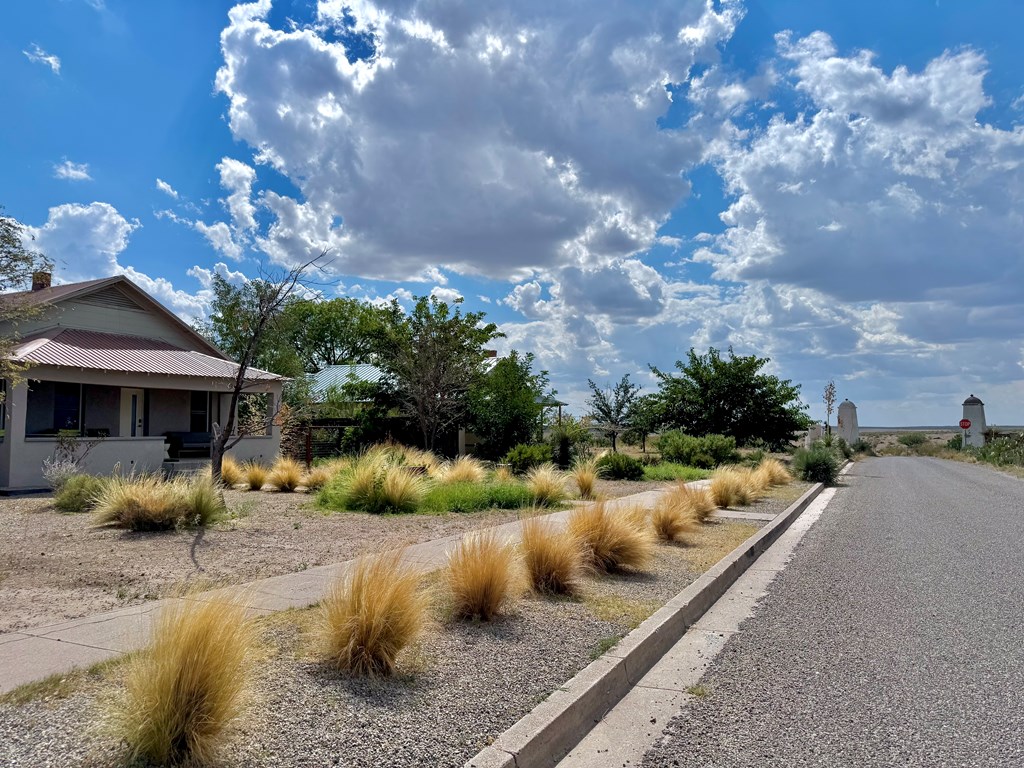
column 848, row 428
column 974, row 412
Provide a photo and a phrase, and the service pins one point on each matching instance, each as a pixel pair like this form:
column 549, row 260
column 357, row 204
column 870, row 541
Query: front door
column 131, row 412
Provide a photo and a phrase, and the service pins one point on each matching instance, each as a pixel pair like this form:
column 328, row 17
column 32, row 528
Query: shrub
column 317, row 477
column 843, row 448
column 374, row 486
column 619, row 466
column 552, row 558
column 611, row 541
column 546, row 484
column 231, row 473
column 56, row 472
column 727, row 488
column 79, row 493
column 371, row 613
column 673, row 517
column 524, row 457
column 817, row 465
column 585, row 472
column 186, row 689
column 860, row 445
column 465, row 469
column 704, row 452
column 255, row 475
column 956, row 443
column 286, row 474
column 482, row 574
column 911, row 439
column 668, row 470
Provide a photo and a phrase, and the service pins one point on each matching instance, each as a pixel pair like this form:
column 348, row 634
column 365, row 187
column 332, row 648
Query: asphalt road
column 895, row 637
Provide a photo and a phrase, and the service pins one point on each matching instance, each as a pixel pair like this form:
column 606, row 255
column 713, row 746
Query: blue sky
column 837, row 186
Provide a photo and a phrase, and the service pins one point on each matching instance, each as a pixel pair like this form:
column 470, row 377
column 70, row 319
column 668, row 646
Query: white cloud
column 72, row 171
column 219, row 236
column 37, row 55
column 445, row 294
column 166, row 188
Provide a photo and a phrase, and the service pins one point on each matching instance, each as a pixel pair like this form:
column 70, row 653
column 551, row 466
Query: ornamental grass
column 612, row 540
column 483, row 575
column 552, row 557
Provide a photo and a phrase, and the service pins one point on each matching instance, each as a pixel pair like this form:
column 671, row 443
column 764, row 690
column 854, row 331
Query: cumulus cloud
column 37, row 55
column 499, row 176
column 166, row 188
column 72, row 171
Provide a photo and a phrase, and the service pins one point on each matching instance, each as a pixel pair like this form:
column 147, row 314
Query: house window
column 53, row 407
column 199, row 415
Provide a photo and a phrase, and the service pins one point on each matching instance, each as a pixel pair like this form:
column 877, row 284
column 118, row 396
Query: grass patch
column 604, row 645
column 713, row 542
column 148, row 503
column 472, row 497
column 700, row 691
column 483, row 574
column 619, row 610
column 668, row 470
column 611, row 541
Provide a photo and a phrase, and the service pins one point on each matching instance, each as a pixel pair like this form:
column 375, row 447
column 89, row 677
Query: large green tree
column 434, row 356
column 17, row 263
column 731, row 395
column 645, row 416
column 336, row 331
column 610, row 408
column 503, row 406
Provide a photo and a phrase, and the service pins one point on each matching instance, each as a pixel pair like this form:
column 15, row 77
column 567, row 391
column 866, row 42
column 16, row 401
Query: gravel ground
column 893, row 638
column 460, row 687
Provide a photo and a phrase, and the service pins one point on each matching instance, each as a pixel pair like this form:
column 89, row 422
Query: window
column 53, row 407
column 199, row 415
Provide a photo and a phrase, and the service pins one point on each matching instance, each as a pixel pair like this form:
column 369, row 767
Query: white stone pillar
column 848, row 427
column 974, row 411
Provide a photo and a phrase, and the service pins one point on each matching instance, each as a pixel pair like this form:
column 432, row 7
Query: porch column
column 16, row 409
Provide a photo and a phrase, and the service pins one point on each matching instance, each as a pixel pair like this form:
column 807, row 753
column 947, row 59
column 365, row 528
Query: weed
column 699, row 691
column 618, row 609
column 611, row 541
column 483, row 574
column 552, row 558
column 604, row 645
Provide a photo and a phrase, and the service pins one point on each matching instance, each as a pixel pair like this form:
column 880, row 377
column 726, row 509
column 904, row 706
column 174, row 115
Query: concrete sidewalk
column 38, row 652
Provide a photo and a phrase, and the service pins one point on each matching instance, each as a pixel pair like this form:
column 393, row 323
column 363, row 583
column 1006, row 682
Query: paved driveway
column 894, row 638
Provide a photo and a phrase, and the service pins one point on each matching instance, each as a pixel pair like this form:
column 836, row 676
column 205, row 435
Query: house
column 110, row 367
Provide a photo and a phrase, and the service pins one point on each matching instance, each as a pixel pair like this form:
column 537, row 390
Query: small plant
column 503, row 474
column 255, row 475
column 705, row 452
column 316, row 478
column 523, row 457
column 230, row 472
column 552, row 558
column 400, row 490
column 286, row 474
column 183, row 693
column 78, row 493
column 483, row 574
column 619, row 466
column 956, row 443
column 912, row 439
column 727, row 488
column 465, row 469
column 56, row 472
column 775, row 472
column 817, row 465
column 611, row 541
column 148, row 503
column 673, row 517
column 547, row 485
column 585, row 472
column 372, row 613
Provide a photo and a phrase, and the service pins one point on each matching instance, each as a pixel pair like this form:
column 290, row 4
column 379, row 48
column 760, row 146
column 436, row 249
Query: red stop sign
column 965, row 423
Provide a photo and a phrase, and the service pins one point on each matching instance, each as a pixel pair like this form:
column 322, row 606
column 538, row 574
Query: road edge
column 548, row 733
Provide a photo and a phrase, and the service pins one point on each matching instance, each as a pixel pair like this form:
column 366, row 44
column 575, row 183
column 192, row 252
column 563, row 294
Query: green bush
column 843, row 447
column 525, row 457
column 956, row 443
column 668, row 470
column 1003, row 451
column 911, row 439
column 470, row 497
column 754, row 458
column 817, row 465
column 78, row 493
column 706, row 452
column 862, row 446
column 618, row 466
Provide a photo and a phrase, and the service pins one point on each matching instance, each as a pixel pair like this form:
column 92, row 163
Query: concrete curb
column 557, row 724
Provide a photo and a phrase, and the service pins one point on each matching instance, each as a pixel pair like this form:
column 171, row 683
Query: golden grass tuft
column 504, row 474
column 674, row 517
column 775, row 472
column 149, row 503
column 611, row 541
column 401, row 490
column 372, row 613
column 230, row 472
column 316, row 478
column 727, row 488
column 465, row 469
column 483, row 574
column 255, row 475
column 553, row 559
column 703, row 502
column 585, row 472
column 286, row 474
column 547, row 485
column 183, row 693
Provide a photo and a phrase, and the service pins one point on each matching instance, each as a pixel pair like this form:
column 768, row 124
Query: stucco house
column 113, row 368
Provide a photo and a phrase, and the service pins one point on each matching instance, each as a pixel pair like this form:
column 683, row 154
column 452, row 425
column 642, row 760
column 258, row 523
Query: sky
column 838, row 187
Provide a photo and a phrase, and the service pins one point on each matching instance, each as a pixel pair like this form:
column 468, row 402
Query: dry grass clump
column 148, row 503
column 255, row 475
column 316, row 478
column 674, row 517
column 372, row 613
column 230, row 472
column 547, row 484
column 504, row 474
column 553, row 559
column 612, row 541
column 286, row 474
column 483, row 574
column 775, row 472
column 401, row 490
column 187, row 688
column 465, row 469
column 585, row 472
column 726, row 488
column 703, row 502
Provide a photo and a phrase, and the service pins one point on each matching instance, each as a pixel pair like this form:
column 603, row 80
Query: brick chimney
column 41, row 280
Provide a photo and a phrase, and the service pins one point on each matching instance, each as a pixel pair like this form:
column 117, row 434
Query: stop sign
column 965, row 423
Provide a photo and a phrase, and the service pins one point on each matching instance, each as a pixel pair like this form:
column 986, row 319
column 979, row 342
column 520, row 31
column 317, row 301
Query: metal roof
column 75, row 348
column 338, row 376
column 972, row 400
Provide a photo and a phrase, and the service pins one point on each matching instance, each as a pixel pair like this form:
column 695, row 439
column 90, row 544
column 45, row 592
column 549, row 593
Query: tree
column 247, row 314
column 435, row 356
column 17, row 264
column 503, row 408
column 337, row 331
column 713, row 395
column 610, row 409
column 829, row 397
column 644, row 418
